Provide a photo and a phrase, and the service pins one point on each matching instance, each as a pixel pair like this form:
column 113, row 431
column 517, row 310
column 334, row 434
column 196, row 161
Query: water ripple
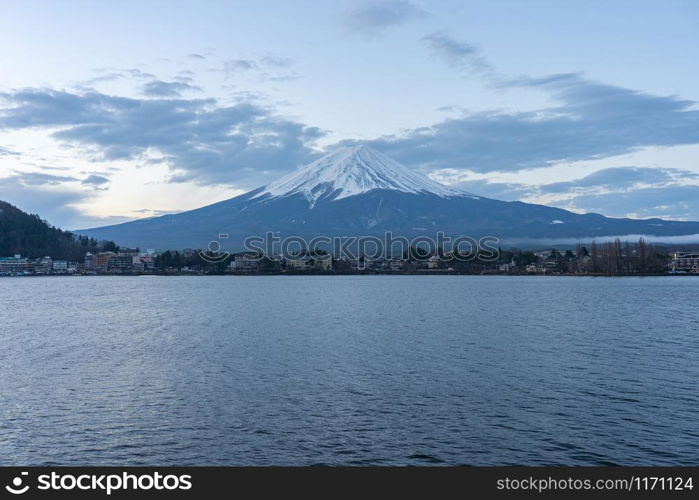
column 361, row 370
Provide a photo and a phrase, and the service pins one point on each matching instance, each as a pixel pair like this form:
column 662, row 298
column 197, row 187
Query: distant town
column 607, row 259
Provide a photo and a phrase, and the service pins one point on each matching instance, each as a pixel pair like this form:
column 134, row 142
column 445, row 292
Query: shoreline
column 369, row 273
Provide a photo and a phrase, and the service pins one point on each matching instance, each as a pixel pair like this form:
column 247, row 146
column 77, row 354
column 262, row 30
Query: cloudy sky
column 111, row 111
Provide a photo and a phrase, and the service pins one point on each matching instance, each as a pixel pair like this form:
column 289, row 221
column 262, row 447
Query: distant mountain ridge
column 30, row 236
column 360, row 192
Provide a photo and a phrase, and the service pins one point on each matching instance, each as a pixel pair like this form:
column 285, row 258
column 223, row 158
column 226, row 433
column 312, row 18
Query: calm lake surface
column 354, row 370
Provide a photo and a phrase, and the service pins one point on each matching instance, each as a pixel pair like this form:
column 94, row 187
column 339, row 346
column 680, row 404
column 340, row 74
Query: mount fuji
column 353, row 171
column 358, row 191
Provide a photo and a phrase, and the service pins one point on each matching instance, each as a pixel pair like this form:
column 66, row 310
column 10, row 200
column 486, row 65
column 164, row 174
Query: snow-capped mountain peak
column 354, row 170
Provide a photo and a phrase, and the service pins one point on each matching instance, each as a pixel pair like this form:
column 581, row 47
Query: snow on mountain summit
column 354, row 170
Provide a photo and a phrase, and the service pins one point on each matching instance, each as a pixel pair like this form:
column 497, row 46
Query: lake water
column 356, row 370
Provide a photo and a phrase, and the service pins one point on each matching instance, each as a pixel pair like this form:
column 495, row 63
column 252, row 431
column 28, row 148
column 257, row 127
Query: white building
column 685, row 262
column 244, row 263
column 309, row 263
column 60, row 266
column 14, row 265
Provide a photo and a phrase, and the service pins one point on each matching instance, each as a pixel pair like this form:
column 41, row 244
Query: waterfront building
column 59, row 266
column 43, row 265
column 433, row 262
column 685, row 262
column 309, row 263
column 147, row 261
column 535, row 269
column 99, row 262
column 121, row 262
column 244, row 263
column 14, row 265
column 396, row 264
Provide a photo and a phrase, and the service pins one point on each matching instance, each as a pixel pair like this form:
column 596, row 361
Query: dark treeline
column 607, row 258
column 174, row 259
column 611, row 258
column 30, row 236
column 615, row 257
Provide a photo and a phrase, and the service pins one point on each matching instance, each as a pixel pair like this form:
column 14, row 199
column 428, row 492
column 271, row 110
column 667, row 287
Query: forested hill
column 30, row 236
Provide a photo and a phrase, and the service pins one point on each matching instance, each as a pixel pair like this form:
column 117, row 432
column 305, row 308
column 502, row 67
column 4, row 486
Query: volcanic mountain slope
column 353, row 171
column 357, row 191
